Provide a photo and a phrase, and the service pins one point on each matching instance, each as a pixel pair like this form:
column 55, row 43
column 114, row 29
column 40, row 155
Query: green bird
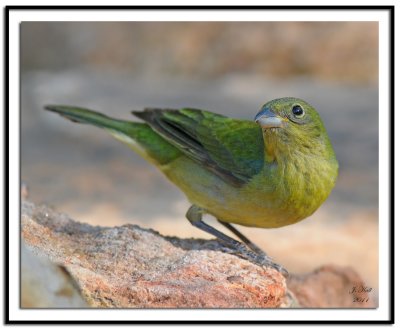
column 270, row 172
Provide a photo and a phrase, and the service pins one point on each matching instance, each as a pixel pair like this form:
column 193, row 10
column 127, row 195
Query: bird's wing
column 233, row 149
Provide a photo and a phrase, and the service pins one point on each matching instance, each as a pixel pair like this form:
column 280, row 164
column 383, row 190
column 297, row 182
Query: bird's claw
column 260, row 259
column 266, row 261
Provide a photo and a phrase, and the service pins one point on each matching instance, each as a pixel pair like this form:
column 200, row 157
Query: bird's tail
column 138, row 136
column 81, row 115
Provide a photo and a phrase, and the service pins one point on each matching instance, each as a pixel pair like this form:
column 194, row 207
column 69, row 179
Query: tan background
column 230, row 68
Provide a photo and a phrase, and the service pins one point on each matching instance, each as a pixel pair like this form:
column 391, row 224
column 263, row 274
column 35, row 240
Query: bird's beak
column 268, row 119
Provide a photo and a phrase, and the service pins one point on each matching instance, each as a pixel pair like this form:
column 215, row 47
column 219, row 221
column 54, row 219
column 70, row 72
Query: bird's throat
column 271, row 142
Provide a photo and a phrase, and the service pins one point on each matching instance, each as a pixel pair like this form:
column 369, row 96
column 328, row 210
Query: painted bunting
column 267, row 173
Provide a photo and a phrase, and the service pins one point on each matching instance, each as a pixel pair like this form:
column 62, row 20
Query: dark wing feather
column 232, row 149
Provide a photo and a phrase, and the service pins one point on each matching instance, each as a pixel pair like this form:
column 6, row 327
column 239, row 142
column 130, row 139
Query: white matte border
column 17, row 16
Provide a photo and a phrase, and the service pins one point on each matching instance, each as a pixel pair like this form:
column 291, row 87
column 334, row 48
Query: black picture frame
column 9, row 9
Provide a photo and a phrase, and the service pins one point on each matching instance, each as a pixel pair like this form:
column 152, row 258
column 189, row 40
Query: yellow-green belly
column 258, row 203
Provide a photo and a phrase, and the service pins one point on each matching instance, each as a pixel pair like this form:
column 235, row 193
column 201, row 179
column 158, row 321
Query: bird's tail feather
column 137, row 135
column 81, row 115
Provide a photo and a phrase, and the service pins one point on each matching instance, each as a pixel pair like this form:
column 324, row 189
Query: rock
column 332, row 286
column 132, row 267
column 129, row 266
column 47, row 285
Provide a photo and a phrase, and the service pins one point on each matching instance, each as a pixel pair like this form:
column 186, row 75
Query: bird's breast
column 279, row 195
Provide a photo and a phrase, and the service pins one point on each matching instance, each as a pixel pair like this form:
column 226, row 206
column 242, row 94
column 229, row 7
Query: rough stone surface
column 47, row 285
column 332, row 286
column 131, row 267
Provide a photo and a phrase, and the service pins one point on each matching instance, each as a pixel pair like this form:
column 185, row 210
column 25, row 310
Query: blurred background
column 227, row 67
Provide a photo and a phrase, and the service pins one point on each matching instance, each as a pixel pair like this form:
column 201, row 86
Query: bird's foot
column 261, row 258
column 248, row 250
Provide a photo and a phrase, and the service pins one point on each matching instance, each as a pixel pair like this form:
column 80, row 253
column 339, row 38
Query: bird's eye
column 298, row 111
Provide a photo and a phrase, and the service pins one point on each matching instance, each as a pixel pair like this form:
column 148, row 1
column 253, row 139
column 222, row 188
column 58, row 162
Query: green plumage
column 215, row 141
column 269, row 173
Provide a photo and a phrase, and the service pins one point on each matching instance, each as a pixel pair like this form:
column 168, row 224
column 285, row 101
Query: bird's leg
column 195, row 214
column 243, row 238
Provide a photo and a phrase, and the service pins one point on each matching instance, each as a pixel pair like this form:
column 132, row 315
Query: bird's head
column 291, row 124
